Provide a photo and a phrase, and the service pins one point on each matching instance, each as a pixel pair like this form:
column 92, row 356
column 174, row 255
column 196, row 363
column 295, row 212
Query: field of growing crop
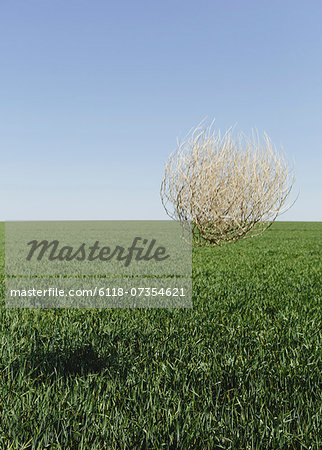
column 239, row 370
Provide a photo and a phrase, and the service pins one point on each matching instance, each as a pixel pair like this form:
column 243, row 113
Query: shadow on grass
column 68, row 362
column 66, row 358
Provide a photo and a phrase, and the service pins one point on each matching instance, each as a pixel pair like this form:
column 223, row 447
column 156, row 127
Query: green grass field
column 239, row 370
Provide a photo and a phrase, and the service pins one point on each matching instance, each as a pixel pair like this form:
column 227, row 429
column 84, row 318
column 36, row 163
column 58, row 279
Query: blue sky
column 93, row 95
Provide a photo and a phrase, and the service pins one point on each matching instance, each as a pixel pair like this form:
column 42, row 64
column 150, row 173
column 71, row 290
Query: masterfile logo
column 54, row 251
column 101, row 264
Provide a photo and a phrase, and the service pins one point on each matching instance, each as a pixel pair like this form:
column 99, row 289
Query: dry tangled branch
column 225, row 188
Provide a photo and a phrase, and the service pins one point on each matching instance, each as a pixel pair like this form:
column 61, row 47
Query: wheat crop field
column 241, row 369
